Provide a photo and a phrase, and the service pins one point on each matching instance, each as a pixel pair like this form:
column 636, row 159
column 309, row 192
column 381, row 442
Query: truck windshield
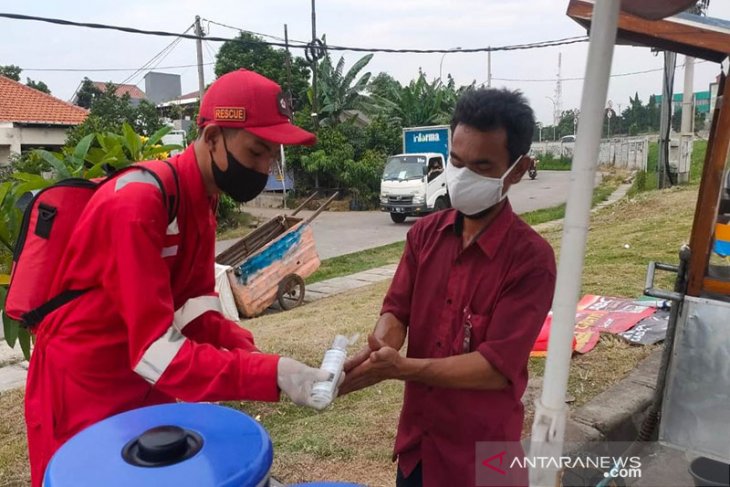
column 404, row 167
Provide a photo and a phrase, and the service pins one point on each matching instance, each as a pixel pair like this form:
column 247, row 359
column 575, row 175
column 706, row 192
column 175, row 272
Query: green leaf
column 165, row 148
column 10, row 326
column 157, row 136
column 4, row 190
column 24, row 340
column 27, row 177
column 82, row 148
column 132, row 141
column 58, row 166
column 31, row 185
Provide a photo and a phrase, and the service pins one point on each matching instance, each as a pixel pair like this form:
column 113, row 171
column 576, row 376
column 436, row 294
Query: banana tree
column 339, row 92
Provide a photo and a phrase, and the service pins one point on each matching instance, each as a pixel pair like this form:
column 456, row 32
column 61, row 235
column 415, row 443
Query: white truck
column 414, row 182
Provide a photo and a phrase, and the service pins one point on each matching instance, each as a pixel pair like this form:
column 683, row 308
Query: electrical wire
column 159, row 57
column 617, row 75
column 239, row 29
column 132, row 30
column 81, row 70
column 210, row 51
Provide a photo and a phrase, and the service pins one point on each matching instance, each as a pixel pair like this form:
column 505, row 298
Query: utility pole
column 489, row 68
column 688, row 95
column 288, row 95
column 688, row 117
column 665, row 123
column 199, row 47
column 315, row 107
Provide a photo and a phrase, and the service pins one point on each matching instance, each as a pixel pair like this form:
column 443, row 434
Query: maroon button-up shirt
column 490, row 297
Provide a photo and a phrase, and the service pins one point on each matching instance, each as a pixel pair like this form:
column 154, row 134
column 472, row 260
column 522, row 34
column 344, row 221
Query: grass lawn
column 352, row 441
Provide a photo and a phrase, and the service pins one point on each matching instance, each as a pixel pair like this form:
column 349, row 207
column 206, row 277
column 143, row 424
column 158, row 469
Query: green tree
column 422, row 103
column 383, row 85
column 250, row 52
column 38, row 85
column 677, row 120
column 653, row 113
column 87, row 93
column 11, row 71
column 110, row 112
column 700, row 121
column 339, row 91
column 384, row 135
column 148, row 119
column 567, row 123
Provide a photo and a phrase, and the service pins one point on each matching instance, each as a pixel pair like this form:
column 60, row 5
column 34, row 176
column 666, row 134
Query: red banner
column 596, row 314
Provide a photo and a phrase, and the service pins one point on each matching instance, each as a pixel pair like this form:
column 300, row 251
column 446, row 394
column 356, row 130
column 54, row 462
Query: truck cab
column 414, row 182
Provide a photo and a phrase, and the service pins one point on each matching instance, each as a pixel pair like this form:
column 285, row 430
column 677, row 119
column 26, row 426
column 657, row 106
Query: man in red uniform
column 149, row 329
column 471, row 293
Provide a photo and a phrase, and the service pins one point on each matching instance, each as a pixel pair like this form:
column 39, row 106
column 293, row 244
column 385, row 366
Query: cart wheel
column 291, row 292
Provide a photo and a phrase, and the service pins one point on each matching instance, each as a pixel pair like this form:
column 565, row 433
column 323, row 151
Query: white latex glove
column 296, row 380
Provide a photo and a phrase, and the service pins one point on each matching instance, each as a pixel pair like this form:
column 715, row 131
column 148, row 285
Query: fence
column 624, row 152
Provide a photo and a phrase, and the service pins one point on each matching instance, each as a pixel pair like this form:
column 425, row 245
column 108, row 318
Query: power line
column 210, row 50
column 617, row 75
column 132, row 30
column 73, row 70
column 239, row 29
column 159, row 57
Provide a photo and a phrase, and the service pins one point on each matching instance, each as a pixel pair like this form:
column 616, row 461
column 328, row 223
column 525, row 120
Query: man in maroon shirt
column 471, row 292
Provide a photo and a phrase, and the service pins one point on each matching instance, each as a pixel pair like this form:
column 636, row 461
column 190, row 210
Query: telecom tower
column 558, row 108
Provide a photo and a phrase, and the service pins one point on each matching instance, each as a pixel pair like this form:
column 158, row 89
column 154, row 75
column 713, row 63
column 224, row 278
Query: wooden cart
column 271, row 262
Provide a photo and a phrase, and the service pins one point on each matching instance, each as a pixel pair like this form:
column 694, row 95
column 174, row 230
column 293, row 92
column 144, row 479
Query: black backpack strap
column 35, row 316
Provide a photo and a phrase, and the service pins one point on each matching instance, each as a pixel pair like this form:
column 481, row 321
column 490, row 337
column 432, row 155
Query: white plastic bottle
column 334, row 361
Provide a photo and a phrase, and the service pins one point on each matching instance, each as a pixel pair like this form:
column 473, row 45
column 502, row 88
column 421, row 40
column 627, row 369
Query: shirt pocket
column 471, row 332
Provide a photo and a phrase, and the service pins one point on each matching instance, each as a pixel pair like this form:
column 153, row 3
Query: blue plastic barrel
column 171, row 444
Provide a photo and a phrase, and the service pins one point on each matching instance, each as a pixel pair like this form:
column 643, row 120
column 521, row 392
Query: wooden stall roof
column 693, row 35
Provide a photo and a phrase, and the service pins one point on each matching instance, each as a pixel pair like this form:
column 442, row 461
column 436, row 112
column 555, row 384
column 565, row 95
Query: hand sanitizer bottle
column 334, row 361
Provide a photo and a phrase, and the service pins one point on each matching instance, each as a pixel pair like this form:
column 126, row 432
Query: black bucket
column 709, row 473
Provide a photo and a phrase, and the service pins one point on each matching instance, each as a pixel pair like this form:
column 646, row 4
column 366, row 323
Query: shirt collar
column 492, row 236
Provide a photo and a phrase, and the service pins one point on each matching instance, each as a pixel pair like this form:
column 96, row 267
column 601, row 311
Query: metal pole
column 289, row 99
column 199, row 48
column 283, row 175
column 550, row 411
column 665, row 122
column 288, row 67
column 489, row 68
column 315, row 104
column 688, row 96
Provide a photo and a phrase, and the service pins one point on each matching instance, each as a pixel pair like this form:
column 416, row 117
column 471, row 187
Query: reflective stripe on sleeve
column 162, row 351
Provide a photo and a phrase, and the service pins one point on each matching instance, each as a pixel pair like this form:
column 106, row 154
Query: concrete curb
column 616, row 413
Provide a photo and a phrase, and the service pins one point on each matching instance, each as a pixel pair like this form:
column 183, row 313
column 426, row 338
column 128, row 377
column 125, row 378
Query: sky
column 423, row 24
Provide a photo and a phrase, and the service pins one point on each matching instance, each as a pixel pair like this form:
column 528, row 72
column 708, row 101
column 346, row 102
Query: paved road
column 339, row 233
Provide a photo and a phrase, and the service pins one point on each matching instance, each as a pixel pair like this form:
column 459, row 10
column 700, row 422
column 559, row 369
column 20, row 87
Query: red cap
column 244, row 99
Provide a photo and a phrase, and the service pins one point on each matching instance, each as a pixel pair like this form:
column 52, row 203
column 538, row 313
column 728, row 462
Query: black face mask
column 237, row 181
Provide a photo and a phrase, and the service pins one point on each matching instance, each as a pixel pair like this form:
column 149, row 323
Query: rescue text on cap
column 230, row 113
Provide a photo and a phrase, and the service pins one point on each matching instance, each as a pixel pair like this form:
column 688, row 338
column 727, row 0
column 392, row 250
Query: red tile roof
column 20, row 103
column 195, row 94
column 134, row 92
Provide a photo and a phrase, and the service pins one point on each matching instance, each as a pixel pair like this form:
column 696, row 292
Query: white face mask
column 471, row 193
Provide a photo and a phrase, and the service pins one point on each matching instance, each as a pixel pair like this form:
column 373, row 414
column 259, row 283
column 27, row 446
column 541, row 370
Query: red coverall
column 150, row 330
